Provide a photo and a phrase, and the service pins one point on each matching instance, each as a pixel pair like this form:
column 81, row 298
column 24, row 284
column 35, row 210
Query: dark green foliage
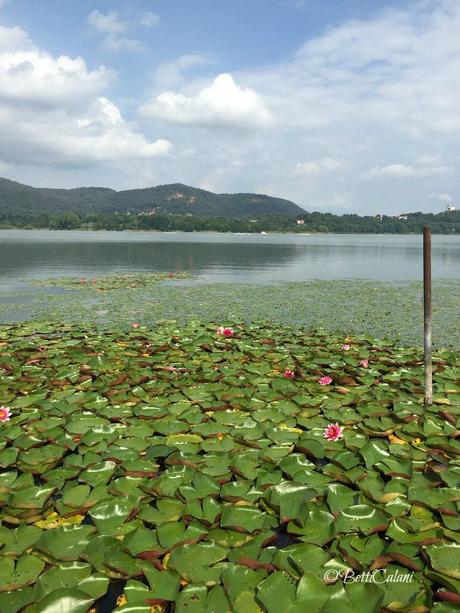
column 19, row 201
column 182, row 208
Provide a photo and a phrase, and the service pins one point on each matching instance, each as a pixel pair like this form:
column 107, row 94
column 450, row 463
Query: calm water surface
column 40, row 254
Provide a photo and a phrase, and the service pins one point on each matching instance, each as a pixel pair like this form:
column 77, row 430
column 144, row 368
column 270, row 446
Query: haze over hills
column 19, row 199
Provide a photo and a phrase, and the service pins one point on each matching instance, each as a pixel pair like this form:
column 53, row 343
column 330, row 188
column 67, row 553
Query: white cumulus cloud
column 53, row 111
column 108, row 23
column 116, row 29
column 223, row 103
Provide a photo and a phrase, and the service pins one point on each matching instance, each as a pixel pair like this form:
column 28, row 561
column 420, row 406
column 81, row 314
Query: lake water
column 40, row 254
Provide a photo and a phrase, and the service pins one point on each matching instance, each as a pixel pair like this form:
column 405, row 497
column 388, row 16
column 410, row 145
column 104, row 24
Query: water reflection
column 223, row 257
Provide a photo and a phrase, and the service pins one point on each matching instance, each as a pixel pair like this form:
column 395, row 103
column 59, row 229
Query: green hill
column 17, row 199
column 178, row 207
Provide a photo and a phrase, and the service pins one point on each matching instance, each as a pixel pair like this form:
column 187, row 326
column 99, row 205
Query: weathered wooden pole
column 427, row 315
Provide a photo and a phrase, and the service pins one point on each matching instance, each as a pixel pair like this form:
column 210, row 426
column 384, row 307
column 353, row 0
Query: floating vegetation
column 129, row 280
column 179, row 467
column 350, row 307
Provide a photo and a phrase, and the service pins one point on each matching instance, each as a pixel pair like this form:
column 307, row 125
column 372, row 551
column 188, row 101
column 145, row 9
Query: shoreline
column 204, row 232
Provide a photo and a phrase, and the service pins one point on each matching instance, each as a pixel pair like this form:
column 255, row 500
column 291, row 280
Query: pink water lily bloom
column 364, row 363
column 5, row 413
column 289, row 374
column 325, row 380
column 135, row 325
column 333, row 432
column 346, row 347
column 221, row 331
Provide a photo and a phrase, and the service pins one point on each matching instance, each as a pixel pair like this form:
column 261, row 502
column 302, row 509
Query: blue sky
column 344, row 105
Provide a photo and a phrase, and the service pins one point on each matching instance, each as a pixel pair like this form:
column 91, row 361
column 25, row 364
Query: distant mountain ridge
column 175, row 198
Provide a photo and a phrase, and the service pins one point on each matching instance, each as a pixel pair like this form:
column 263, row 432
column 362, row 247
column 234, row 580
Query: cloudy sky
column 343, row 106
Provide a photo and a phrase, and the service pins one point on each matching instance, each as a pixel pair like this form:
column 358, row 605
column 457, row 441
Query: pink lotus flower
column 346, row 347
column 5, row 414
column 82, row 281
column 135, row 325
column 221, row 331
column 333, row 432
column 325, row 380
column 289, row 374
column 364, row 363
column 170, row 275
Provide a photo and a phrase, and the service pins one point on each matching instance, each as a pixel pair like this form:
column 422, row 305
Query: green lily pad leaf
column 246, row 602
column 12, row 602
column 71, row 600
column 195, row 563
column 8, row 457
column 289, row 497
column 98, row 473
column 354, row 598
column 71, row 574
column 192, row 599
column 164, row 584
column 244, row 519
column 16, row 541
column 17, row 574
column 142, row 543
column 445, row 558
column 217, row 600
column 65, row 543
column 238, row 580
column 307, row 558
column 317, row 527
column 361, row 518
column 277, row 592
column 108, row 515
column 77, row 496
column 312, row 594
column 30, row 497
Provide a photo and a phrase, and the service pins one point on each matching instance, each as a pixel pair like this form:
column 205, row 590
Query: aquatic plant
column 171, row 467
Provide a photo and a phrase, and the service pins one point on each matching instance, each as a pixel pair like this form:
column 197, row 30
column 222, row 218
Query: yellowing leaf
column 289, row 428
column 395, row 440
column 53, row 521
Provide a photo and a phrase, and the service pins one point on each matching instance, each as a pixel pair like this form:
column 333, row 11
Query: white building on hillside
column 450, row 207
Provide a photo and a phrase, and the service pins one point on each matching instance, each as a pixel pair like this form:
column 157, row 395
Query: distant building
column 148, row 213
column 403, row 217
column 450, row 207
column 300, row 222
column 379, row 217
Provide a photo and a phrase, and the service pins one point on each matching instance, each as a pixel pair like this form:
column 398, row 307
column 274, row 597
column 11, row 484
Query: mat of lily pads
column 359, row 307
column 129, row 280
column 175, row 469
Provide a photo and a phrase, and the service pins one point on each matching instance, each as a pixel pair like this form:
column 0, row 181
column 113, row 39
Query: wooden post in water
column 427, row 315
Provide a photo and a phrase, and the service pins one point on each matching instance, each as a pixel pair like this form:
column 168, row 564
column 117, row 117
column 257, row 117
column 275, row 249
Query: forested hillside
column 17, row 199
